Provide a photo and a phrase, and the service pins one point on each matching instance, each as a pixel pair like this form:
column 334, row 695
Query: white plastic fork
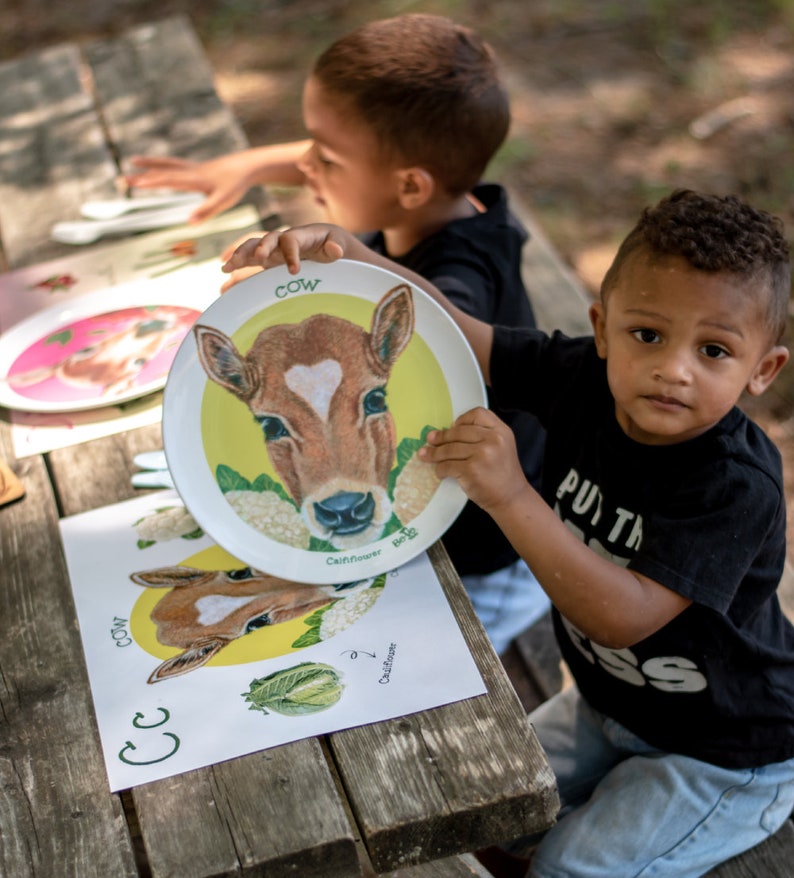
column 88, row 231
column 115, row 207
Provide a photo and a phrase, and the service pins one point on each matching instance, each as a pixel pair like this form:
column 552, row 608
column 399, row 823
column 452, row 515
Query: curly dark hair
column 428, row 88
column 715, row 234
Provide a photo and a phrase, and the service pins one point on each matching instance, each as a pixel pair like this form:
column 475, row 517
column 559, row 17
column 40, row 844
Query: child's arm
column 610, row 604
column 321, row 242
column 225, row 180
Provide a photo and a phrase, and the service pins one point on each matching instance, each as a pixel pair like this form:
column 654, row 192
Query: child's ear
column 598, row 319
column 415, row 187
column 767, row 370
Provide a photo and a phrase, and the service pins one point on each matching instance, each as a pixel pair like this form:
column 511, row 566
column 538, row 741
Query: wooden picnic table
column 419, row 788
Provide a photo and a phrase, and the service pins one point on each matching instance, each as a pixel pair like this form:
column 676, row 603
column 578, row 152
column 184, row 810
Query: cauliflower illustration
column 415, row 485
column 271, row 515
column 343, row 613
column 166, row 523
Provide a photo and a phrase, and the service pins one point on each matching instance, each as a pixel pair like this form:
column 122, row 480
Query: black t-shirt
column 476, row 263
column 705, row 518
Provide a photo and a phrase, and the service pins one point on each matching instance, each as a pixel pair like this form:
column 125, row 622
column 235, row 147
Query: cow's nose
column 346, row 512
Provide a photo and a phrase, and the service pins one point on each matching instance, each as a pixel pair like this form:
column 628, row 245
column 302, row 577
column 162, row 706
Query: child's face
column 681, row 346
column 343, row 166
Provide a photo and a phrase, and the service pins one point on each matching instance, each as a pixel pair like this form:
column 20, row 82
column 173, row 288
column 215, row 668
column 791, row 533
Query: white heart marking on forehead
column 316, row 384
column 214, row 608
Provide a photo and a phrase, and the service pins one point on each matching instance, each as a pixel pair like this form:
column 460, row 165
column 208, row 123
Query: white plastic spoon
column 115, row 207
column 87, row 231
column 152, row 479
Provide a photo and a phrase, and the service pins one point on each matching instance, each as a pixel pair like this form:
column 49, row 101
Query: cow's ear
column 222, row 361
column 168, row 577
column 392, row 324
column 194, row 657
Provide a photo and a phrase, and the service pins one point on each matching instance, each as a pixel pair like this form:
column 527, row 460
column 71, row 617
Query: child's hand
column 241, row 273
column 217, row 178
column 478, row 450
column 318, row 242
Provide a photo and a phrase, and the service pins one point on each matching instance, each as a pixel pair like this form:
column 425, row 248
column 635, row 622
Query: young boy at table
column 405, row 114
column 661, row 541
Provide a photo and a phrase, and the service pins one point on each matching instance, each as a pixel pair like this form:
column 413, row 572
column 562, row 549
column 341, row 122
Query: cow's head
column 318, row 390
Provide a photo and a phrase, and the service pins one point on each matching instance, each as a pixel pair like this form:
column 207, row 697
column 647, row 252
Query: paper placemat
column 194, row 658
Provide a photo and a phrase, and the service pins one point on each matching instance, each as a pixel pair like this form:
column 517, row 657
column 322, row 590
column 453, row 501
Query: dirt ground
column 614, row 104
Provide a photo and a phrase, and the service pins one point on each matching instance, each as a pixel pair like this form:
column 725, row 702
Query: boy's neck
column 422, row 222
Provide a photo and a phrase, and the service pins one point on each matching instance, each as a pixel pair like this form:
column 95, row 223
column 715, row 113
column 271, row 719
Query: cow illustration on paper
column 318, row 390
column 204, row 611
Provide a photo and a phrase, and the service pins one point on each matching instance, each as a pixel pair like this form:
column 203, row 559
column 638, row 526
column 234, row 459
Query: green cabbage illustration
column 305, row 688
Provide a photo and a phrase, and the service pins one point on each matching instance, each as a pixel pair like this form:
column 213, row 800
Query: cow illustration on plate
column 104, row 356
column 318, row 389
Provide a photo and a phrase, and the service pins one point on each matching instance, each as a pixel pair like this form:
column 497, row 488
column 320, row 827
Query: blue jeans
column 631, row 811
column 506, row 601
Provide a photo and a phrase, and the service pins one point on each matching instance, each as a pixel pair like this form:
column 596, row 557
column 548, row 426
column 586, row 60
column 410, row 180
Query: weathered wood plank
column 526, row 688
column 538, row 648
column 437, row 766
column 232, row 818
column 558, row 297
column 773, row 858
column 464, row 866
column 57, row 816
column 98, row 473
column 52, row 152
column 786, row 591
column 157, row 94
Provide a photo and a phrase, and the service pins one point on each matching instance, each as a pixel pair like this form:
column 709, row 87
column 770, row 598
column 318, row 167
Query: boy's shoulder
column 476, row 261
column 739, row 438
column 491, row 239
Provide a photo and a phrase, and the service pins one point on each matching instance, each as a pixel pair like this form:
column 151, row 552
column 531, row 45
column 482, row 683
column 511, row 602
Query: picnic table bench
column 403, row 797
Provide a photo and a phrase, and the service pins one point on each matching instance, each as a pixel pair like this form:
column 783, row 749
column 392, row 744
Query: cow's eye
column 239, row 575
column 343, row 586
column 258, row 622
column 375, row 401
column 84, row 353
column 273, row 428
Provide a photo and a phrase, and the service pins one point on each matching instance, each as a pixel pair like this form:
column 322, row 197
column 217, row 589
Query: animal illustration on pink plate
column 206, row 610
column 113, row 358
column 318, row 390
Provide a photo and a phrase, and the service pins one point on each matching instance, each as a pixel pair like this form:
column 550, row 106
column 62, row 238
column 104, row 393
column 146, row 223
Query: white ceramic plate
column 99, row 349
column 298, row 457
